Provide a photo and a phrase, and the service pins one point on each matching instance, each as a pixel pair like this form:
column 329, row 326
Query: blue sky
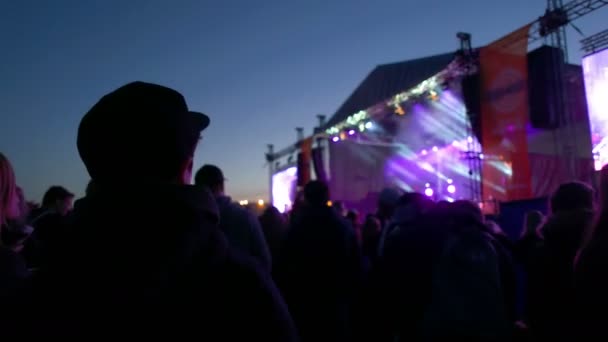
column 258, row 68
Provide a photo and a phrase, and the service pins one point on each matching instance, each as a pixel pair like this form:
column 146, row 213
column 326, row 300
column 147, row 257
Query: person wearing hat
column 144, row 256
column 241, row 227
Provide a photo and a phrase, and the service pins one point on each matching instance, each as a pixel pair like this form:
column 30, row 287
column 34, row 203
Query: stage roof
column 387, row 80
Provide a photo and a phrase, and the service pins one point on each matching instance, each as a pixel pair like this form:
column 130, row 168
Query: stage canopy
column 387, row 80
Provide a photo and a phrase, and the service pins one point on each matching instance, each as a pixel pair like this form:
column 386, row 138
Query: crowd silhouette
column 145, row 254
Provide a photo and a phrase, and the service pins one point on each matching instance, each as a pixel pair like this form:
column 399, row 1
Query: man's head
column 387, row 202
column 212, row 177
column 140, row 126
column 58, row 199
column 316, row 194
column 572, row 196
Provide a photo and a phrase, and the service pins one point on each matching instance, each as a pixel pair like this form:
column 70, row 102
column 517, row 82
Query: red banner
column 504, row 117
column 304, row 158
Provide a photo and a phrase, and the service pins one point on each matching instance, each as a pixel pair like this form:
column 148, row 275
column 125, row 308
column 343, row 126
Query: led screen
column 284, row 185
column 595, row 69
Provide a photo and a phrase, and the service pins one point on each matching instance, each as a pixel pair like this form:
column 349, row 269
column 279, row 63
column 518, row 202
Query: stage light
column 451, row 188
column 470, row 140
column 450, row 181
column 342, row 136
column 450, row 199
column 429, row 192
column 399, row 110
column 424, row 152
column 351, row 132
column 481, row 156
column 427, row 185
column 435, row 149
column 598, row 165
column 455, row 143
column 244, row 202
column 361, row 127
column 335, row 139
column 330, row 203
column 260, row 202
column 369, row 125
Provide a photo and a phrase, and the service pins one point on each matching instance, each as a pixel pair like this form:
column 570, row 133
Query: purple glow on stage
column 283, row 188
column 351, row 132
column 451, row 188
column 429, row 192
column 435, row 149
column 335, row 139
column 595, row 69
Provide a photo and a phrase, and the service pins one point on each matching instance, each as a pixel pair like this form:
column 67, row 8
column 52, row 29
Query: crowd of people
column 146, row 254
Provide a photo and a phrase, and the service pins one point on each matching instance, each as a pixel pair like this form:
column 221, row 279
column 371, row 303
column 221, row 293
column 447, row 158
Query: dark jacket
column 151, row 262
column 437, row 280
column 13, row 271
column 243, row 231
column 551, row 277
column 319, row 273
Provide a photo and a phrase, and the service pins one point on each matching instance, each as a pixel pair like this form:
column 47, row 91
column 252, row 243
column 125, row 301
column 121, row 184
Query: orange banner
column 304, row 159
column 504, row 117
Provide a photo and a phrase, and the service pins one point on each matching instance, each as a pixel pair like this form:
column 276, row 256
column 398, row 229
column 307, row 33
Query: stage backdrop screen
column 284, row 187
column 595, row 69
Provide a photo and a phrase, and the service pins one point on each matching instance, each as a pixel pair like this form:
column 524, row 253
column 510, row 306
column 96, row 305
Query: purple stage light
column 335, row 139
column 429, row 192
column 424, row 152
column 450, row 181
column 596, row 83
column 451, row 188
column 470, row 140
column 435, row 149
column 351, row 132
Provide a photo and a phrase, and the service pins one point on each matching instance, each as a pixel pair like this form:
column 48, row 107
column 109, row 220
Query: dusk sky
column 258, row 68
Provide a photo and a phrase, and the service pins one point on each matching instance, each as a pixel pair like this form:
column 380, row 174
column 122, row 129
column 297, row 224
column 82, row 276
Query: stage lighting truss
column 596, row 42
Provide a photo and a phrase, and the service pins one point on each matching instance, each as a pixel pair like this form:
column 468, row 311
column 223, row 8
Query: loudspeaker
column 545, row 87
column 471, row 93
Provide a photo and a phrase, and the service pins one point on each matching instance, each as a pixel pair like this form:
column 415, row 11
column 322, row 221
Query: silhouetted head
column 212, row 177
column 467, row 212
column 353, row 217
column 411, row 205
column 316, row 193
column 340, row 208
column 58, row 199
column 140, row 127
column 387, row 202
column 90, row 188
column 572, row 196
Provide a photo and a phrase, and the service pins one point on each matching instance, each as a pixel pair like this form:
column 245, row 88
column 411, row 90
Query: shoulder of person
column 249, row 294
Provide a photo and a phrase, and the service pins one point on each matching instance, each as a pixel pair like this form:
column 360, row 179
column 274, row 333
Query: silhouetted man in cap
column 241, row 227
column 144, row 256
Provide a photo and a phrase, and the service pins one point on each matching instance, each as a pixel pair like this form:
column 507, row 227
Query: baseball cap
column 139, row 126
column 209, row 175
